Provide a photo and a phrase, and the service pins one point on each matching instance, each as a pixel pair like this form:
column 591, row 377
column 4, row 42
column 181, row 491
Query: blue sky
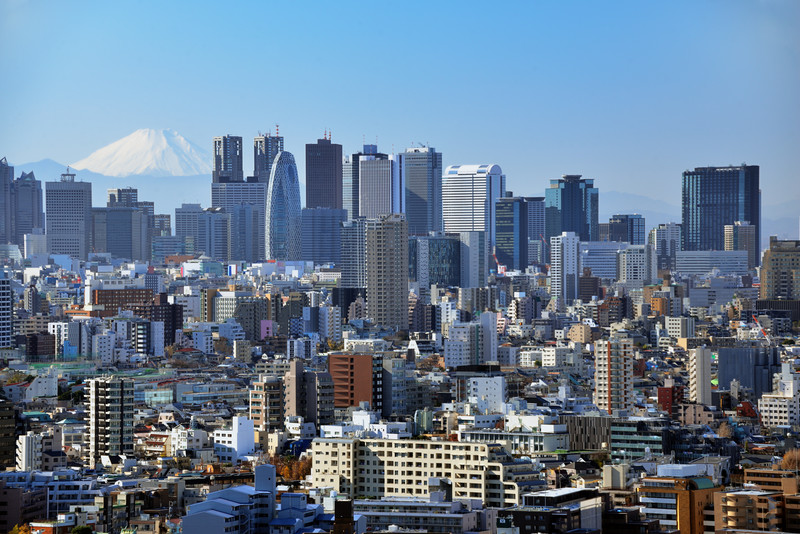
column 629, row 93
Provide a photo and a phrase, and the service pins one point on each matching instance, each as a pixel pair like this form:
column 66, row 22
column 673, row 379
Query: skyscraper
column 571, row 205
column 122, row 231
column 716, row 196
column 6, row 310
column 511, row 248
column 537, row 244
column 186, row 218
column 474, row 258
column 283, row 215
column 26, row 201
column 780, row 271
column 123, row 196
column 351, row 182
column 6, row 214
column 213, row 233
column 324, row 175
column 741, row 235
column 469, row 194
column 422, row 167
column 700, row 375
column 354, row 254
column 322, row 234
column 381, row 190
column 265, row 148
column 248, row 239
column 227, row 159
column 666, row 238
column 69, row 216
column 614, row 374
column 110, row 407
column 564, row 268
column 625, row 228
column 387, row 270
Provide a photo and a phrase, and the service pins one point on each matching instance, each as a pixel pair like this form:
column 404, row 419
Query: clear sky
column 629, row 93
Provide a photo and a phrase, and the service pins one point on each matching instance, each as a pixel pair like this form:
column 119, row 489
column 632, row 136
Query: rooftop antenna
column 277, row 131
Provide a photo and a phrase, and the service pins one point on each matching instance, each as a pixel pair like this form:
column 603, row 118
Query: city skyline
column 583, row 104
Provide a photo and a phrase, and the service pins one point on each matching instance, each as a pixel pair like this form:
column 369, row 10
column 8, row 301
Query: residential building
column 715, row 196
column 469, row 196
column 678, row 501
column 571, row 205
column 356, row 378
column 324, row 175
column 7, row 305
column 283, row 215
column 700, row 375
column 564, row 268
column 69, row 216
column 266, row 404
column 110, row 407
column 781, row 408
column 614, row 374
column 236, row 440
column 780, row 271
column 422, row 169
column 636, row 265
column 387, row 270
column 308, row 394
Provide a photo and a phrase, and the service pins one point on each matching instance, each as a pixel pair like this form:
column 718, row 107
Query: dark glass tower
column 324, row 175
column 512, row 226
column 714, row 197
column 571, row 205
column 227, row 159
column 422, row 168
column 265, row 148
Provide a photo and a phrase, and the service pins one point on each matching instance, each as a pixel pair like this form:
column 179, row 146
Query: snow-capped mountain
column 148, row 152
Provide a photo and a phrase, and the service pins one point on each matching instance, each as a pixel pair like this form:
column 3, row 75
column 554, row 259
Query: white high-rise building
column 110, row 406
column 666, row 239
column 473, row 343
column 40, row 451
column 781, row 408
column 613, row 377
column 700, row 375
column 636, row 265
column 564, row 268
column 6, row 310
column 381, row 186
column 469, row 195
column 69, row 216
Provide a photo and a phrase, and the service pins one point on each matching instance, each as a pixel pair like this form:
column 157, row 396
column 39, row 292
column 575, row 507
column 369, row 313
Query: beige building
column 748, row 510
column 387, row 270
column 780, row 270
column 377, row 468
column 613, row 375
column 266, row 404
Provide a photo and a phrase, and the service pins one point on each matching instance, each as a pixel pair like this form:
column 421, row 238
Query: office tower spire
column 227, row 159
column 265, row 148
column 324, row 175
column 283, row 214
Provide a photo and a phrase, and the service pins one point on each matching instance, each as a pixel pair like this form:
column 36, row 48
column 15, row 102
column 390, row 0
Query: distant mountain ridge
column 148, row 152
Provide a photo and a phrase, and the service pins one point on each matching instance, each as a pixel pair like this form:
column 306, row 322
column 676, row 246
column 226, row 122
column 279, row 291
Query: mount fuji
column 148, row 152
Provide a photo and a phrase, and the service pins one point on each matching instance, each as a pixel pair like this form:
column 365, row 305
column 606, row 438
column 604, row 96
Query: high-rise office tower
column 381, row 190
column 741, row 235
column 715, row 196
column 123, row 196
column 387, row 270
column 625, row 228
column 265, row 148
column 322, row 234
column 227, row 159
column 469, row 194
column 122, row 231
column 422, row 167
column 435, row 260
column 69, row 216
column 283, row 215
column 249, row 246
column 571, row 205
column 6, row 215
column 512, row 227
column 110, row 427
column 6, row 310
column 26, row 207
column 666, row 238
column 537, row 244
column 564, row 268
column 474, row 258
column 351, row 182
column 324, row 174
column 613, row 377
column 186, row 218
column 162, row 222
column 700, row 375
column 780, row 271
column 213, row 233
column 636, row 265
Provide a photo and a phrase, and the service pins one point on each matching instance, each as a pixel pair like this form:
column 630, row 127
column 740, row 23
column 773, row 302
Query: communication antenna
column 277, row 131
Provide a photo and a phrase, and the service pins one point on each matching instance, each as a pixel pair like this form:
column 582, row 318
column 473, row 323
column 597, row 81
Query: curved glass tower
column 283, row 215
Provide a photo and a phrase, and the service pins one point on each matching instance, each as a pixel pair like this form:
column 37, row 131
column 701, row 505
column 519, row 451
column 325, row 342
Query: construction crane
column 763, row 332
column 501, row 269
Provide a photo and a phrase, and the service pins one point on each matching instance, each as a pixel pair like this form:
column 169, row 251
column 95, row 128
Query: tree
column 82, row 529
column 725, row 430
column 791, row 460
column 21, row 529
column 223, row 346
